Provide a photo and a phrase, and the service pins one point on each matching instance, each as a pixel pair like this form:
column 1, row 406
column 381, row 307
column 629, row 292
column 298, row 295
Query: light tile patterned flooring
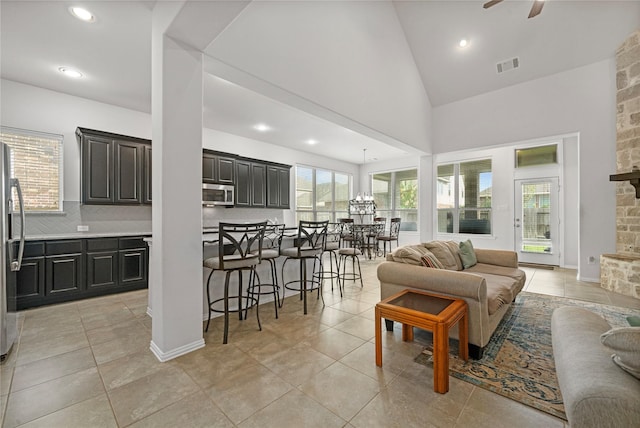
column 88, row 364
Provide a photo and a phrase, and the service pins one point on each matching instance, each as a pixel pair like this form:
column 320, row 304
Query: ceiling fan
column 535, row 9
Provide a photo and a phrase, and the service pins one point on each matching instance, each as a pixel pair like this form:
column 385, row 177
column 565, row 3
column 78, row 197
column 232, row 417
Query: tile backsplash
column 99, row 218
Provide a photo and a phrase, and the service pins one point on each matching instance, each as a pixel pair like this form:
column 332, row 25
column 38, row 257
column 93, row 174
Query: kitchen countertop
column 83, row 235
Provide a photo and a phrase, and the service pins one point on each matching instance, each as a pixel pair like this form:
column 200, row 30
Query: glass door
column 537, row 221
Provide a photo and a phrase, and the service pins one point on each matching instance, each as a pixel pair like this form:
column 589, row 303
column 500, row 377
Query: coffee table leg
column 378, row 338
column 407, row 333
column 441, row 358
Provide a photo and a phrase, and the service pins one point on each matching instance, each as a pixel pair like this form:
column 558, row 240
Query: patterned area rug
column 518, row 361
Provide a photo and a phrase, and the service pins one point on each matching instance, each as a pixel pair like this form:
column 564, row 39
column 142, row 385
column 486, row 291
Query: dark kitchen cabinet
column 278, row 186
column 128, row 172
column 63, row 270
column 102, row 263
column 218, row 169
column 115, row 169
column 250, row 183
column 63, row 267
column 147, row 192
column 30, row 278
column 133, row 261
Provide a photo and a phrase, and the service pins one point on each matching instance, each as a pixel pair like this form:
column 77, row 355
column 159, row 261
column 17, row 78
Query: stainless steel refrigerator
column 10, row 256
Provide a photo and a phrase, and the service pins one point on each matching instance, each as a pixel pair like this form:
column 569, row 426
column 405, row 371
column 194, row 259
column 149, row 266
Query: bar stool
column 309, row 244
column 270, row 253
column 356, row 234
column 332, row 245
column 239, row 248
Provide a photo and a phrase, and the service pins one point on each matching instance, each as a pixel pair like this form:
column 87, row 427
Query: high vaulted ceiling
column 350, row 75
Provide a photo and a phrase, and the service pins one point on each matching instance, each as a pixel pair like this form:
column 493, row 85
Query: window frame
column 457, row 209
column 314, row 211
column 51, row 136
column 395, row 211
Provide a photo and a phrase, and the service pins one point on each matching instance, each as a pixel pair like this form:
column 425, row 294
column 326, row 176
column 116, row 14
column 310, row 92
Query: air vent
column 507, row 65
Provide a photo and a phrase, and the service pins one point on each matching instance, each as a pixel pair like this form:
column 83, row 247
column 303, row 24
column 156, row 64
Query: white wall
column 577, row 101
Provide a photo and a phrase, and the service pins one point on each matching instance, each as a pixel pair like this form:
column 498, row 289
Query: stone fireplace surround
column 620, row 272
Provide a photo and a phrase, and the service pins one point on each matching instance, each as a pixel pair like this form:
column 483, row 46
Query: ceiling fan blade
column 536, row 8
column 488, row 4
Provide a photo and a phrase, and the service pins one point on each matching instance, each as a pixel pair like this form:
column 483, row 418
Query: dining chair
column 394, row 233
column 308, row 245
column 239, row 249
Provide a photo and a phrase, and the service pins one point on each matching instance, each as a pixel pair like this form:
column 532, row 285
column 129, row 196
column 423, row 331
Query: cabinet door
column 102, row 270
column 258, row 185
column 97, row 178
column 133, row 266
column 283, row 183
column 209, row 167
column 30, row 278
column 273, row 187
column 146, row 182
column 226, row 170
column 243, row 183
column 63, row 274
column 128, row 174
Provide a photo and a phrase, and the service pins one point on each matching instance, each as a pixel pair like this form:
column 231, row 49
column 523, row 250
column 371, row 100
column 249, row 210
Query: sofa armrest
column 497, row 257
column 439, row 281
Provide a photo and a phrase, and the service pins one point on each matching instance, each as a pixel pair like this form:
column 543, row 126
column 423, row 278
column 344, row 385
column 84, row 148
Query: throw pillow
column 633, row 321
column 429, row 260
column 409, row 254
column 467, row 254
column 625, row 342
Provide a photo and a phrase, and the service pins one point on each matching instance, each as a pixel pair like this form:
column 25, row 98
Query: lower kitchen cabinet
column 64, row 270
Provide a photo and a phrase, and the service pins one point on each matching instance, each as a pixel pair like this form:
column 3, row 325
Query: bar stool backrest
column 272, row 236
column 312, row 236
column 240, row 242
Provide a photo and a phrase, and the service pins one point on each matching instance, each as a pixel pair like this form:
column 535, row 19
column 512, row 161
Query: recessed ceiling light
column 311, row 141
column 69, row 72
column 262, row 127
column 463, row 43
column 82, row 14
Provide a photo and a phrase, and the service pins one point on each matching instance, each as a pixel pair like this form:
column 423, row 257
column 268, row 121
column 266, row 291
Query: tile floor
column 88, row 364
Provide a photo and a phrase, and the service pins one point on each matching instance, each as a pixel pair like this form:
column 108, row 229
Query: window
column 534, row 156
column 36, row 161
column 464, row 197
column 321, row 194
column 396, row 195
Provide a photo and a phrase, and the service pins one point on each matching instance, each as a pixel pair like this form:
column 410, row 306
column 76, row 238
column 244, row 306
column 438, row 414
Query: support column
column 176, row 263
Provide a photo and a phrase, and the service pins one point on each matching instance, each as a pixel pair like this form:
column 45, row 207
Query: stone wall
column 628, row 143
column 621, row 274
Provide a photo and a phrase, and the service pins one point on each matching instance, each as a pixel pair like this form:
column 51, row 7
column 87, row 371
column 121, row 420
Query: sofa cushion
column 518, row 275
column 625, row 343
column 446, row 252
column 499, row 291
column 467, row 254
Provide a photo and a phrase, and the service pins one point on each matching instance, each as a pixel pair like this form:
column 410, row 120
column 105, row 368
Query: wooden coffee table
column 431, row 312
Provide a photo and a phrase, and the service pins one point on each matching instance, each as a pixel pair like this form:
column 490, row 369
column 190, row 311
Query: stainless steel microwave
column 217, row 195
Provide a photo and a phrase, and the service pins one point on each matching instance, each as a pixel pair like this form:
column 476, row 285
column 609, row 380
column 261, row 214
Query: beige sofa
column 488, row 287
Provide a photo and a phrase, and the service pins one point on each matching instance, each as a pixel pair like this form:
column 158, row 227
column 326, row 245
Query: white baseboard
column 174, row 353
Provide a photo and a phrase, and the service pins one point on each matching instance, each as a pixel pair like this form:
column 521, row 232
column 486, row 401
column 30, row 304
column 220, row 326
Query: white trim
column 149, row 311
column 174, row 353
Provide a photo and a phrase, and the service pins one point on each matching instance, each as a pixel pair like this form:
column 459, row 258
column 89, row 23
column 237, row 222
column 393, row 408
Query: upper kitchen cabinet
column 278, row 186
column 218, row 168
column 250, row 183
column 115, row 169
